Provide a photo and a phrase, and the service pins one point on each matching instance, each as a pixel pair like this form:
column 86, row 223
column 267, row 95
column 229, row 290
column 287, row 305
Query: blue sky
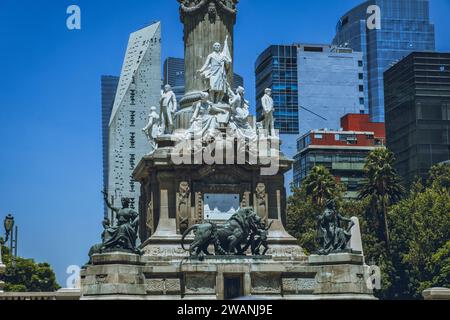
column 50, row 120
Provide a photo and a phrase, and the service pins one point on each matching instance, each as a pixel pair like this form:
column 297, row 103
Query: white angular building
column 139, row 89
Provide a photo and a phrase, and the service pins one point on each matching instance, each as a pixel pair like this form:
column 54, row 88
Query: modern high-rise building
column 405, row 27
column 276, row 68
column 313, row 86
column 174, row 75
column 343, row 152
column 109, row 87
column 139, row 88
column 417, row 94
column 331, row 85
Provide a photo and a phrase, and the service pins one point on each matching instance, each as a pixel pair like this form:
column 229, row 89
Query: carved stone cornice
column 193, row 7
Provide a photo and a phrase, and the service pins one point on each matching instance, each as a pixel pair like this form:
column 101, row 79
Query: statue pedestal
column 341, row 276
column 116, row 275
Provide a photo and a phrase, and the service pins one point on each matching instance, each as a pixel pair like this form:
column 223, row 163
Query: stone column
column 167, row 228
column 205, row 22
column 277, row 233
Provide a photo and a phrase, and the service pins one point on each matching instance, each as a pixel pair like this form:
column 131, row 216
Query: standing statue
column 268, row 110
column 204, row 123
column 168, row 107
column 152, row 130
column 215, row 71
column 332, row 235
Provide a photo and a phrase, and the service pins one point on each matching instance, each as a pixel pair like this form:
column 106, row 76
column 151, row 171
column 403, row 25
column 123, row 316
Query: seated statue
column 239, row 121
column 332, row 235
column 204, row 123
column 123, row 235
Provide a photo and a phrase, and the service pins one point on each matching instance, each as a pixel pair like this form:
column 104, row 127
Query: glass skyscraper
column 405, row 27
column 418, row 113
column 276, row 68
column 109, row 87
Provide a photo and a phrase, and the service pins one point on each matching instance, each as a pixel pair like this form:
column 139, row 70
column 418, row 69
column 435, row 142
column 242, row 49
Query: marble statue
column 227, row 239
column 215, row 71
column 152, row 129
column 168, row 108
column 333, row 236
column 204, row 122
column 268, row 110
column 240, row 114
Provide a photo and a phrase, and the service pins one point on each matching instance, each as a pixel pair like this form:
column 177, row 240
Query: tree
column 421, row 241
column 382, row 186
column 307, row 202
column 320, row 185
column 24, row 275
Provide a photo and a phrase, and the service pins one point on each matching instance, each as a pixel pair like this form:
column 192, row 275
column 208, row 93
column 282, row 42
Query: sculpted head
column 268, row 91
column 217, row 47
column 240, row 90
column 126, row 203
column 205, row 96
column 167, row 88
column 153, row 109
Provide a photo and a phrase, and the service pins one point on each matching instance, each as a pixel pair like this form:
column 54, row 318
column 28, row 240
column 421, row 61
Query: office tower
column 108, row 87
column 276, row 68
column 139, row 88
column 331, row 85
column 313, row 86
column 417, row 94
column 405, row 27
column 343, row 152
column 174, row 75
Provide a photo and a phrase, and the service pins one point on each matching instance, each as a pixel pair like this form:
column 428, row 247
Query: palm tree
column 382, row 185
column 321, row 186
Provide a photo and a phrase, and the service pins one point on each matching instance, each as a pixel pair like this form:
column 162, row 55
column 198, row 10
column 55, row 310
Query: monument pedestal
column 113, row 276
column 154, row 277
column 341, row 276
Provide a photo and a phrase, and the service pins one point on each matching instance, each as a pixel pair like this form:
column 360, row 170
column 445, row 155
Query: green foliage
column 320, row 186
column 308, row 202
column 24, row 275
column 418, row 256
column 420, row 240
column 382, row 187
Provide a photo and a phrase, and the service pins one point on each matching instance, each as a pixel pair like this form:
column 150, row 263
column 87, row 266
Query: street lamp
column 11, row 235
column 9, row 225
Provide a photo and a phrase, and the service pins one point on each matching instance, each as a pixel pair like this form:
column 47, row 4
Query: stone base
column 340, row 274
column 112, row 275
column 168, row 274
column 436, row 294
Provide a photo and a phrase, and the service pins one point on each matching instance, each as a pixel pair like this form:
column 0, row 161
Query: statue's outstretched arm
column 108, row 204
